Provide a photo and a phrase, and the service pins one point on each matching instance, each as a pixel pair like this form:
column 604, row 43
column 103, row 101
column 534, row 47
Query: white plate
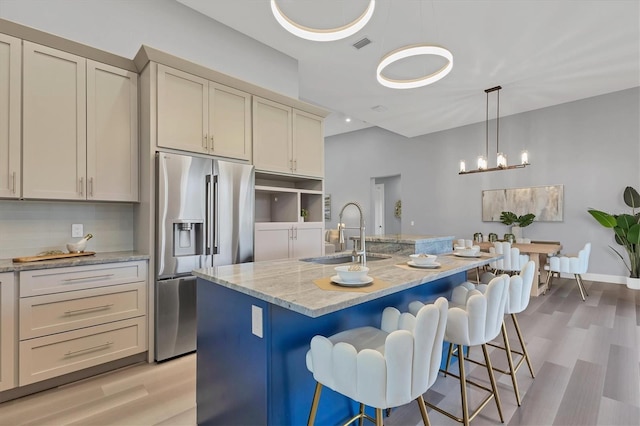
column 336, row 279
column 467, row 255
column 428, row 266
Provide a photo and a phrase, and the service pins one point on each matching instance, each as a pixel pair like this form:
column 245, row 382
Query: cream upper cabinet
column 54, row 124
column 80, row 131
column 286, row 140
column 229, row 122
column 272, row 138
column 198, row 115
column 112, row 133
column 8, row 320
column 308, row 146
column 10, row 98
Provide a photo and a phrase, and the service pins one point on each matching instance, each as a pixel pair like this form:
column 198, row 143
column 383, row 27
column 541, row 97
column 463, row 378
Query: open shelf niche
column 280, row 199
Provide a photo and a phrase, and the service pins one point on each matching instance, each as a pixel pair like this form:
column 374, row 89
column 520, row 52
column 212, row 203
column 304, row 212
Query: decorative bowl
column 77, row 247
column 423, row 258
column 352, row 273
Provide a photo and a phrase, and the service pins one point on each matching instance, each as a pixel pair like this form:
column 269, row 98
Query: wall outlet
column 77, row 230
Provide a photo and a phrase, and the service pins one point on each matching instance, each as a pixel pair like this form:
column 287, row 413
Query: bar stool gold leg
column 492, row 379
column 463, row 387
column 378, row 416
column 423, row 411
column 314, row 404
column 512, row 372
column 522, row 345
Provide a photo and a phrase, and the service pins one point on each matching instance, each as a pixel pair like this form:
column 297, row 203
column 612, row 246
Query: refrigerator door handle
column 216, row 216
column 208, row 213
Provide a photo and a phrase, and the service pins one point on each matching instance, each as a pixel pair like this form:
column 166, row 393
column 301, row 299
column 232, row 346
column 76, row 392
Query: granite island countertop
column 289, row 282
column 7, row 265
column 405, row 238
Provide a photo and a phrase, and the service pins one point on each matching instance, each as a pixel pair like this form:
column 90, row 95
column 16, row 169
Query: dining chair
column 512, row 261
column 575, row 265
column 381, row 368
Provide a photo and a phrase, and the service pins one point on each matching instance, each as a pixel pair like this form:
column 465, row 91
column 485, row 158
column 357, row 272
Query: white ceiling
column 542, row 53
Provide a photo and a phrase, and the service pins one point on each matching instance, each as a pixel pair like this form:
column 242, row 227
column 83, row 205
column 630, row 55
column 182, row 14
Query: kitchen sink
column 336, row 260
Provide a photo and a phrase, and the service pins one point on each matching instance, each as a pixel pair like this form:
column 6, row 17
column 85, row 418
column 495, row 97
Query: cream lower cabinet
column 80, row 135
column 78, row 317
column 281, row 240
column 198, row 115
column 10, row 113
column 287, row 140
column 8, row 377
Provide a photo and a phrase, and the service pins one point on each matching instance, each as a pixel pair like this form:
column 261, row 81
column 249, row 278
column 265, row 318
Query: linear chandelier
column 501, row 158
column 316, row 34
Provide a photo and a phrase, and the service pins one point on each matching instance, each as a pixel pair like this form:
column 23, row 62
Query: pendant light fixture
column 501, row 158
column 316, row 34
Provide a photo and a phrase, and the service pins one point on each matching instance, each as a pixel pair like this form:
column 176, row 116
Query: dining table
column 538, row 253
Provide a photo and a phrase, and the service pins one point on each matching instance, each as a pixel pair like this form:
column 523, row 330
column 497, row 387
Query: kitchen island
column 256, row 320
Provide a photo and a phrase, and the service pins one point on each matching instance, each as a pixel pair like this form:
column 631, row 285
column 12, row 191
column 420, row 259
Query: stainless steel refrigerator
column 204, row 217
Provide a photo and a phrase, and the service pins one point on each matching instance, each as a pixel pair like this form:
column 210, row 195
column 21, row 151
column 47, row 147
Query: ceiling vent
column 361, row 43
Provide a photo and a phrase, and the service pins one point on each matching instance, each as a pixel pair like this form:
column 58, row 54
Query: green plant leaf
column 633, row 236
column 526, row 219
column 625, row 221
column 508, row 218
column 604, row 219
column 631, row 197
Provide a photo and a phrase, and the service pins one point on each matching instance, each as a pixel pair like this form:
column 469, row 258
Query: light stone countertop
column 289, row 282
column 6, row 265
column 405, row 238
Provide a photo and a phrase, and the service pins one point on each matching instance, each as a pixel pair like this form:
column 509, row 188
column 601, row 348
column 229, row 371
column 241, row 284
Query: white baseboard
column 613, row 279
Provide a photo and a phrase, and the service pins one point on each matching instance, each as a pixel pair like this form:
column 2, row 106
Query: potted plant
column 626, row 228
column 517, row 222
column 304, row 213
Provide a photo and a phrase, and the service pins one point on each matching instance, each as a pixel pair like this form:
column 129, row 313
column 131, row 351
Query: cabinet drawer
column 60, row 312
column 50, row 356
column 57, row 280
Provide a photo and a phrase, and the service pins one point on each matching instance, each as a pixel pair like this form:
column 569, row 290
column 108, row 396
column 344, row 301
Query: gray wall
column 591, row 146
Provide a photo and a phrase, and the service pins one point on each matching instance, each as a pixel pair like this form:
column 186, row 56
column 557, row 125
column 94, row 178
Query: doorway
column 385, row 194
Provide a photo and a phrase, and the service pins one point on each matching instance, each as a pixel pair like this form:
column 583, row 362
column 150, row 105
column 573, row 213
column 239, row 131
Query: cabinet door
column 272, row 241
column 229, row 122
column 112, row 133
column 182, row 110
column 10, row 98
column 272, row 148
column 308, row 144
column 7, row 334
column 307, row 242
column 54, row 124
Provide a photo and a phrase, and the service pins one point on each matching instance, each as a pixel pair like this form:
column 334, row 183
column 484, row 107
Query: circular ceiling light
column 315, row 34
column 414, row 50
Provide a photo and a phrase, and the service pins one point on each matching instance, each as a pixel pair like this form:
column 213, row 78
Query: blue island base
column 244, row 379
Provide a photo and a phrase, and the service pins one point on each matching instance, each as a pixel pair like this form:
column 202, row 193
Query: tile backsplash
column 30, row 227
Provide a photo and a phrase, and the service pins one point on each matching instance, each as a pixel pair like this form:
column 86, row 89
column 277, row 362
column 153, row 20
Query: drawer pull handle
column 94, row 308
column 89, row 278
column 92, row 348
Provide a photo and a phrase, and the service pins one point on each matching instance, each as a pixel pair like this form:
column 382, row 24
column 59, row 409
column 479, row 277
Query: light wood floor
column 586, row 358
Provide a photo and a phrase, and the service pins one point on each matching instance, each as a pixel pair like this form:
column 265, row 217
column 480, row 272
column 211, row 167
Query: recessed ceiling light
column 316, row 34
column 348, row 119
column 414, row 50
